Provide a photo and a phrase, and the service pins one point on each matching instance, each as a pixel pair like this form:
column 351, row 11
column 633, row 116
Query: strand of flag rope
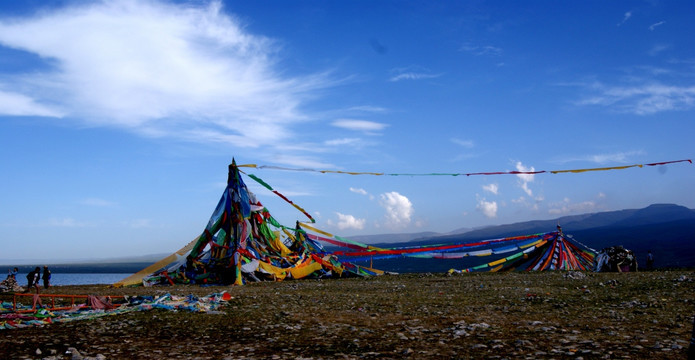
column 465, row 174
column 283, row 197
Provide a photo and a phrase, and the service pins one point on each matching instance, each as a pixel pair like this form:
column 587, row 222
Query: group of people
column 33, row 278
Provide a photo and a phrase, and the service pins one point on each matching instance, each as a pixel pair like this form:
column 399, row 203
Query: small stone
column 522, row 343
column 38, row 352
column 461, row 332
column 75, row 355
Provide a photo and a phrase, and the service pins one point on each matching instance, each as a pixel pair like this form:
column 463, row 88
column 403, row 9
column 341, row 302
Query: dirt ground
column 646, row 315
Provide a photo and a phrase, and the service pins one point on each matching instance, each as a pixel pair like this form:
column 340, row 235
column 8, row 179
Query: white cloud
column 524, row 179
column 645, row 99
column 97, row 202
column 567, row 207
column 413, row 76
column 157, row 69
column 367, row 109
column 343, row 141
column 398, row 209
column 626, row 17
column 349, row 222
column 14, row 104
column 140, row 223
column 618, row 157
column 655, row 25
column 301, row 161
column 520, row 200
column 658, row 49
column 362, row 192
column 359, row 125
column 66, row 222
column 412, row 73
column 493, row 188
column 465, row 143
column 358, row 191
column 482, row 50
column 488, row 208
column 531, row 204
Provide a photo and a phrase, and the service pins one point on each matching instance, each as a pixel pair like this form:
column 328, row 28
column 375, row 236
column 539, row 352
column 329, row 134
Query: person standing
column 650, row 261
column 46, row 277
column 33, row 278
column 12, row 274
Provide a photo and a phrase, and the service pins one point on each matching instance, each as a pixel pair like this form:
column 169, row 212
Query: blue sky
column 118, row 120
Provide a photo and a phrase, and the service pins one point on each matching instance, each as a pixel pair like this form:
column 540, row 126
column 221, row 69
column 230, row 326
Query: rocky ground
column 420, row 316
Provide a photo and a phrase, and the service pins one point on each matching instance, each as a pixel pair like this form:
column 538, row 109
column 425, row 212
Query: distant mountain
column 653, row 214
column 129, row 264
column 671, row 242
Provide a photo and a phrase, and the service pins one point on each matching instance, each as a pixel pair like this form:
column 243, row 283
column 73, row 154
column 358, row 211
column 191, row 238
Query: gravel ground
column 550, row 315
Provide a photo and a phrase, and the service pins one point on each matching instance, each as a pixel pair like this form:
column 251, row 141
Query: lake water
column 77, row 278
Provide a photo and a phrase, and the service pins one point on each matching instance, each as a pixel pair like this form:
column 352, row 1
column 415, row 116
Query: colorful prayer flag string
column 466, row 174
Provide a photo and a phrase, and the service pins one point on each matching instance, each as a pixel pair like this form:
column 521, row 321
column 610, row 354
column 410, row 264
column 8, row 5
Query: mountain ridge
column 652, row 214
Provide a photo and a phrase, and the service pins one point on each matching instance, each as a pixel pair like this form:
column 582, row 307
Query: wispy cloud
column 617, row 157
column 465, row 143
column 412, row 73
column 359, row 125
column 642, row 99
column 655, row 25
column 658, row 49
column 14, row 104
column 359, row 191
column 140, row 223
column 343, row 141
column 482, row 50
column 366, row 109
column 413, row 76
column 66, row 222
column 97, row 202
column 620, row 157
column 301, row 161
column 626, row 17
column 529, row 203
column 568, row 207
column 184, row 71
